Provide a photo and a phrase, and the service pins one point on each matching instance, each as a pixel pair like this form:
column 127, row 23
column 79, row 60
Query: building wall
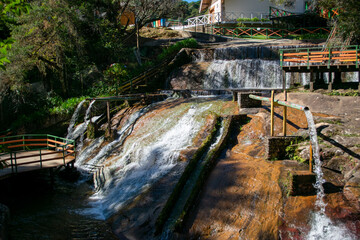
column 254, row 6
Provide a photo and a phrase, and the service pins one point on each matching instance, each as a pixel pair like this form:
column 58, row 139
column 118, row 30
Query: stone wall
column 276, row 147
column 245, row 102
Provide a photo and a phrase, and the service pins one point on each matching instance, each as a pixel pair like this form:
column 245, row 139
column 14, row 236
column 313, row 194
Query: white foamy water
column 144, row 159
column 321, row 226
column 73, row 120
column 86, row 123
column 245, row 73
column 122, row 134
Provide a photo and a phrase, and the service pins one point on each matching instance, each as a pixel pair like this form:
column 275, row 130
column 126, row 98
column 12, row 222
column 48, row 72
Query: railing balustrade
column 15, row 148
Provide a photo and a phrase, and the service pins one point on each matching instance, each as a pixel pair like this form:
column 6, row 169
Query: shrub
column 187, row 43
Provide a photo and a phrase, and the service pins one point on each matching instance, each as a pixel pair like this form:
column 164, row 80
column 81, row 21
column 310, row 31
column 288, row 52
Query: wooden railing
column 34, row 146
column 341, row 55
column 141, row 79
column 250, row 32
column 277, row 12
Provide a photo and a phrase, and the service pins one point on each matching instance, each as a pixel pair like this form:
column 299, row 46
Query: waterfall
column 145, row 157
column 122, row 134
column 321, row 226
column 74, row 117
column 247, row 73
column 86, row 123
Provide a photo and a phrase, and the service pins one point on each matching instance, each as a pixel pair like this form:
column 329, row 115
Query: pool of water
column 40, row 210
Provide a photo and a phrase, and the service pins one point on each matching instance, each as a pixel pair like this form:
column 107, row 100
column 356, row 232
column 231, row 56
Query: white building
column 229, row 10
column 251, row 6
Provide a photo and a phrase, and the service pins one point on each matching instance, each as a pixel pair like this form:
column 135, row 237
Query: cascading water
column 83, row 127
column 124, row 132
column 74, row 117
column 147, row 155
column 246, row 73
column 321, row 227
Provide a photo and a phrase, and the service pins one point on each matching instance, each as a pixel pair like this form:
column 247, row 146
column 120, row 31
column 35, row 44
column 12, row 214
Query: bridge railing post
column 11, row 162
column 329, row 63
column 40, row 158
column 357, row 57
column 63, row 152
column 16, row 170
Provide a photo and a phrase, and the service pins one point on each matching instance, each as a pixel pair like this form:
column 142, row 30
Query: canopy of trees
column 48, row 48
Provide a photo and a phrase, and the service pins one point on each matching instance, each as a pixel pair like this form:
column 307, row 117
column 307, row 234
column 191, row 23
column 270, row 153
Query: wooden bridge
column 318, row 61
column 24, row 153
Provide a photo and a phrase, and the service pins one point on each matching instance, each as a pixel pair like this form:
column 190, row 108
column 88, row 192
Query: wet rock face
column 189, row 76
column 4, row 219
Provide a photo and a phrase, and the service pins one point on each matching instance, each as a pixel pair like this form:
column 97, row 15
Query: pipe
column 283, row 103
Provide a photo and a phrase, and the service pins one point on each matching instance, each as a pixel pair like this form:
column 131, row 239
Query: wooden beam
column 108, row 117
column 272, row 114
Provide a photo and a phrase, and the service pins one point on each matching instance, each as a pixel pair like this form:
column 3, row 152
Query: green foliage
column 65, row 107
column 185, row 10
column 310, row 36
column 255, row 19
column 117, row 72
column 348, row 21
column 351, row 93
column 173, row 49
column 292, row 152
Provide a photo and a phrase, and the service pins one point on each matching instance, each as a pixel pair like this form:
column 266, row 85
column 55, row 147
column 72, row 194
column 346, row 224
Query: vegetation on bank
column 54, row 53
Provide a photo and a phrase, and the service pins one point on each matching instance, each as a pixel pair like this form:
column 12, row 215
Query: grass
column 347, row 93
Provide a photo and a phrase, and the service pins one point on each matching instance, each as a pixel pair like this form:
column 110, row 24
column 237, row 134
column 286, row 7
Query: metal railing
column 334, row 56
column 250, row 32
column 14, row 148
column 224, row 17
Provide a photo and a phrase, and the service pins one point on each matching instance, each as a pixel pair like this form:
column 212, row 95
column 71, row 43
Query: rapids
column 148, row 153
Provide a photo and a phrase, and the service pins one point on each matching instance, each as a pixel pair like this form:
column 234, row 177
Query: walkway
column 24, row 153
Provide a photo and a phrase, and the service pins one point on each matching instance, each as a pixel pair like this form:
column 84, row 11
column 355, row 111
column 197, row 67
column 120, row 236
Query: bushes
column 173, row 49
column 67, row 106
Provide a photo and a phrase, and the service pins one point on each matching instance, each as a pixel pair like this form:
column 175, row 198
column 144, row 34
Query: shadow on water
column 41, row 211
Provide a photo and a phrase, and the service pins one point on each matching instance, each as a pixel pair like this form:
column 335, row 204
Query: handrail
column 348, row 55
column 267, row 32
column 44, row 141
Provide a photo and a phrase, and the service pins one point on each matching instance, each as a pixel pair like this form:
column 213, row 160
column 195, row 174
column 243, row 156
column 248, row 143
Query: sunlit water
column 321, row 226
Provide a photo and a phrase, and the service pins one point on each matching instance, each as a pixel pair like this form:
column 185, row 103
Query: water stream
column 321, row 226
column 189, row 187
column 147, row 153
column 86, row 123
column 74, row 117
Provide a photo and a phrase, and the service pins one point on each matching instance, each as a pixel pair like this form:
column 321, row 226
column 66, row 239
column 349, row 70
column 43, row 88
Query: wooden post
column 330, row 82
column 310, row 158
column 359, row 81
column 284, row 80
column 311, row 81
column 272, row 114
column 285, row 114
column 108, row 117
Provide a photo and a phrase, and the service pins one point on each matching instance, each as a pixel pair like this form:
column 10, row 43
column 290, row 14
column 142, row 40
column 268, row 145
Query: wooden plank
column 29, row 145
column 23, row 140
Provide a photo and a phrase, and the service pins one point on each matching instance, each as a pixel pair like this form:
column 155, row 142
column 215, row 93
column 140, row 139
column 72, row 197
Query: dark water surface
column 41, row 211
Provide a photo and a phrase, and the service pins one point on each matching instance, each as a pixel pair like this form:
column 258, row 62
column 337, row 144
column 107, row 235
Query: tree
column 348, row 20
column 8, row 9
